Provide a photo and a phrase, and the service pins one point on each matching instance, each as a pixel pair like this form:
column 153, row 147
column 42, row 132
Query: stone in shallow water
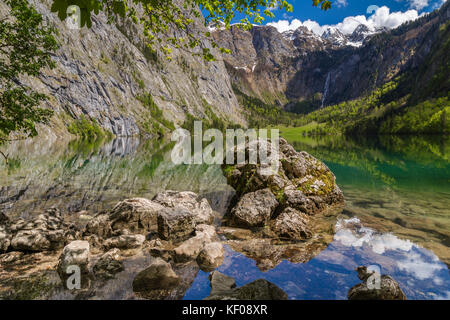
column 5, row 239
column 46, row 232
column 108, row 265
column 300, row 181
column 125, row 241
column 75, row 253
column 199, row 208
column 292, row 224
column 136, row 215
column 175, row 223
column 211, row 256
column 254, row 209
column 367, row 290
column 189, row 249
column 159, row 275
column 260, row 289
column 220, row 283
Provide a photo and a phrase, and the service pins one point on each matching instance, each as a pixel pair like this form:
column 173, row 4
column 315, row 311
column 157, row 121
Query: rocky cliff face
column 300, row 66
column 100, row 73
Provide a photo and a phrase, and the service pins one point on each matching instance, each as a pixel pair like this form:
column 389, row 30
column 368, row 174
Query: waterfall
column 325, row 89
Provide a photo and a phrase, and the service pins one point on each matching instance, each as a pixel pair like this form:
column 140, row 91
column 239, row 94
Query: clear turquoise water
column 396, row 215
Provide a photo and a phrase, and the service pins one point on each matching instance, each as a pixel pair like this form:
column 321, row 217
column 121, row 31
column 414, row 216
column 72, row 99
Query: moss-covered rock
column 301, row 182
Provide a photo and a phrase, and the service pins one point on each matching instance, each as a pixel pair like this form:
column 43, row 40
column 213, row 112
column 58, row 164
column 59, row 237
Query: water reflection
column 393, row 184
column 330, row 275
column 93, row 176
column 396, row 214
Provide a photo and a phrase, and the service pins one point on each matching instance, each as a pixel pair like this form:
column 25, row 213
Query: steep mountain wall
column 102, row 71
column 292, row 67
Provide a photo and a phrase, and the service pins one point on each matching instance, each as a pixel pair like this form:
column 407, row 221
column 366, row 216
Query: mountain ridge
column 291, row 69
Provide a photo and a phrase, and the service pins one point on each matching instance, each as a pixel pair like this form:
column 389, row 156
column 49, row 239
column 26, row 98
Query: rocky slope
column 101, row 72
column 297, row 69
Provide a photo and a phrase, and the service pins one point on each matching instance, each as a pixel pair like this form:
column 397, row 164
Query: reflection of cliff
column 87, row 176
column 388, row 159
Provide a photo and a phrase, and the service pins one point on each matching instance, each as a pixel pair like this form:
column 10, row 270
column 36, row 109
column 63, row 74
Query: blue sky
column 348, row 14
column 304, row 10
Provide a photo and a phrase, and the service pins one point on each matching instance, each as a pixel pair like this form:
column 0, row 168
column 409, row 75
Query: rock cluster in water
column 283, row 200
column 174, row 236
column 287, row 214
column 386, row 288
column 174, row 227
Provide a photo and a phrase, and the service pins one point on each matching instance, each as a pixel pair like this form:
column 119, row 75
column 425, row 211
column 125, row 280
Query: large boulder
column 198, row 207
column 387, row 289
column 175, row 223
column 211, row 256
column 75, row 253
column 159, row 275
column 254, row 209
column 172, row 214
column 296, row 199
column 297, row 180
column 136, row 215
column 292, row 224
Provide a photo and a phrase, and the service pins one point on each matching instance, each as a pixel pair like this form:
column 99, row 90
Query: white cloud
column 381, row 18
column 341, row 3
column 418, row 4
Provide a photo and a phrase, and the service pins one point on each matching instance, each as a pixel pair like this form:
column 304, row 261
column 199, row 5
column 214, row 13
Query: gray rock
column 220, row 283
column 5, row 238
column 388, row 288
column 254, row 209
column 108, row 265
column 136, row 215
column 159, row 275
column 175, row 224
column 211, row 256
column 199, row 208
column 11, row 257
column 189, row 249
column 296, row 199
column 46, row 232
column 292, row 224
column 257, row 290
column 125, row 241
column 75, row 253
column 299, row 181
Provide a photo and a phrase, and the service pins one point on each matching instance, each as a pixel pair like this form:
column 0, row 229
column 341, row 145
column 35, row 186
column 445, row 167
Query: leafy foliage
column 159, row 17
column 25, row 48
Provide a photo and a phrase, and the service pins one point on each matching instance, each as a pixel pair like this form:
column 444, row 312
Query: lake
column 396, row 215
